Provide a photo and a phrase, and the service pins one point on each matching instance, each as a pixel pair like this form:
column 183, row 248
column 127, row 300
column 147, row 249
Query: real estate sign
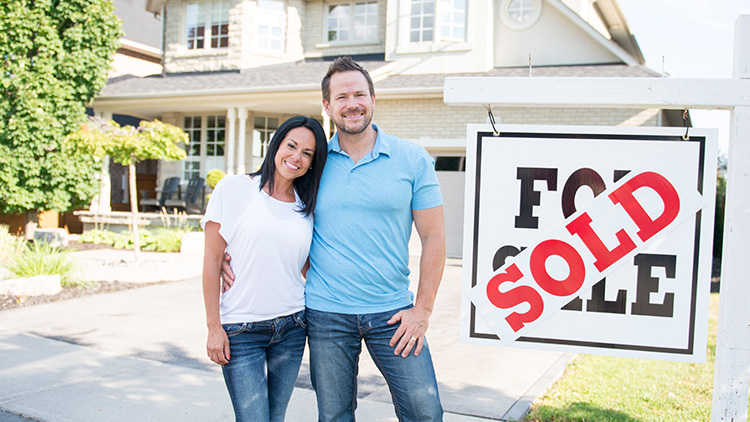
column 589, row 239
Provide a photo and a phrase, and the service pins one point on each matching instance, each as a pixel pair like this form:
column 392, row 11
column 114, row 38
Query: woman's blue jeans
column 264, row 361
column 335, row 342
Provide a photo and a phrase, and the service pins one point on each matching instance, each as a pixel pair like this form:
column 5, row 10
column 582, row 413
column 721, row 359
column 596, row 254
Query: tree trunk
column 134, row 210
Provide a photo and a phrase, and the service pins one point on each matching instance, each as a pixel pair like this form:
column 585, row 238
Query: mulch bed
column 12, row 302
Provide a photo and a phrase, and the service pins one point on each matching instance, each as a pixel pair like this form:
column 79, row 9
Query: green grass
column 41, row 259
column 599, row 388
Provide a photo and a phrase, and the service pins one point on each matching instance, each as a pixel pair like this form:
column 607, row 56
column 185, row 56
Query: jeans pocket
column 234, row 329
column 300, row 319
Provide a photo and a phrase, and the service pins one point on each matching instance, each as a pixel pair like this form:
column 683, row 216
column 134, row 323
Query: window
column 212, row 14
column 520, row 10
column 422, row 20
column 215, row 132
column 191, row 167
column 453, row 20
column 263, row 130
column 520, row 14
column 353, row 22
column 271, row 25
column 447, row 163
column 212, row 146
column 438, row 20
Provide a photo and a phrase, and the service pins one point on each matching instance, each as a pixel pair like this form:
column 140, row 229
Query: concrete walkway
column 139, row 355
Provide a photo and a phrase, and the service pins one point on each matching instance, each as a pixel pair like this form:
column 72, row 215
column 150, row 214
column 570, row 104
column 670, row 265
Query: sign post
column 732, row 372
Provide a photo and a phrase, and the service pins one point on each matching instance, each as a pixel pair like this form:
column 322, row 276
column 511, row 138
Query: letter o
column 575, row 263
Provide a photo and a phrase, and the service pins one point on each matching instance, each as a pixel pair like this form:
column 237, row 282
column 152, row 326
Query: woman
column 257, row 330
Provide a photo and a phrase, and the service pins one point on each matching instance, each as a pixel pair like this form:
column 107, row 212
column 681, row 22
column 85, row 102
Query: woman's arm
column 217, row 345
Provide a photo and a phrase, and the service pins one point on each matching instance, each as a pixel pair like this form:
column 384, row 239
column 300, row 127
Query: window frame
column 514, row 24
column 209, row 135
column 260, row 17
column 439, row 43
column 210, row 8
column 351, row 26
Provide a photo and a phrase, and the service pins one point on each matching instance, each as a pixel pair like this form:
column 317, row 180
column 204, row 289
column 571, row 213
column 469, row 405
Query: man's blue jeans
column 264, row 361
column 335, row 342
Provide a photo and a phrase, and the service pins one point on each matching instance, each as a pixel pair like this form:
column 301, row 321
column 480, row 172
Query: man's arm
column 414, row 322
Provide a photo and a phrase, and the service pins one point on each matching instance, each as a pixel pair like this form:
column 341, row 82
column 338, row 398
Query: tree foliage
column 54, row 58
column 128, row 145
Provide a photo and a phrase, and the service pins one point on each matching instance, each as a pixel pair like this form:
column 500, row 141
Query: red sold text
column 537, row 279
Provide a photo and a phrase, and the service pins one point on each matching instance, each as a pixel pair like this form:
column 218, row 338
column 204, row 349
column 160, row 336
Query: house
column 235, row 69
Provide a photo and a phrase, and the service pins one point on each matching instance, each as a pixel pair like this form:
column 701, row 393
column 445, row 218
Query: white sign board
column 589, row 239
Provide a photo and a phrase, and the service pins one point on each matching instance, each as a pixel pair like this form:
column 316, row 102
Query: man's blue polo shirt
column 359, row 258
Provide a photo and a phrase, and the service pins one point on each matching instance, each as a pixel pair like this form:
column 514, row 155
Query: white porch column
column 230, row 139
column 326, row 122
column 242, row 116
column 732, row 370
column 101, row 202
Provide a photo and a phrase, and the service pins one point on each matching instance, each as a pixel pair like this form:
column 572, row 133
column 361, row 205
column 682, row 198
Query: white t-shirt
column 269, row 242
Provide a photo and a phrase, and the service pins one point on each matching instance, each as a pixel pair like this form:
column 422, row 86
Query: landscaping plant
column 42, row 259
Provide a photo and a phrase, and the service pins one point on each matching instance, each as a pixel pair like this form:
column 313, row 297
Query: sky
column 688, row 39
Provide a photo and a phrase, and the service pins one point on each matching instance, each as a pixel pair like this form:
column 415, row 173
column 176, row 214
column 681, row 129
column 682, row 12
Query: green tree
column 128, row 145
column 54, row 58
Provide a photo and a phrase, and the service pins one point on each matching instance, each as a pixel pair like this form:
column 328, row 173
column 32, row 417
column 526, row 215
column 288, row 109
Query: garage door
column 451, row 175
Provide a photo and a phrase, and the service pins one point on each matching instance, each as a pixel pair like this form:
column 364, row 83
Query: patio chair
column 171, row 186
column 193, row 200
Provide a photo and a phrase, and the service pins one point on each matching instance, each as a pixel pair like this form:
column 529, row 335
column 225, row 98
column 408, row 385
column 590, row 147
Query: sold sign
column 612, row 229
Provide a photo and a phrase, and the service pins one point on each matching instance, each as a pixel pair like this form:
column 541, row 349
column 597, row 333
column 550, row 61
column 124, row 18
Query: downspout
column 163, row 39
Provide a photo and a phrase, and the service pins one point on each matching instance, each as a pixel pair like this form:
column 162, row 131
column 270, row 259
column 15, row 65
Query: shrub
column 42, row 259
column 213, row 177
column 167, row 239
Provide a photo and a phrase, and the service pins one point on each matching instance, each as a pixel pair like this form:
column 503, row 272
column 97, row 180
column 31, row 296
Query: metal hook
column 492, row 121
column 685, row 137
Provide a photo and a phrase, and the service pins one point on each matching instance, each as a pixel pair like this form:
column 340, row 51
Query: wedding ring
column 413, row 338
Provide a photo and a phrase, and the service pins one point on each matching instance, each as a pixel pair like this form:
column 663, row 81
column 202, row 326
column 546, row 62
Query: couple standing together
column 357, row 287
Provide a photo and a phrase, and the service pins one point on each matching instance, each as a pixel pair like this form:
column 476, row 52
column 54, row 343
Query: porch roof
column 295, row 87
column 308, row 74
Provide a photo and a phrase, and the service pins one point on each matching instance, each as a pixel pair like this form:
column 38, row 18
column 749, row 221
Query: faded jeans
column 335, row 342
column 262, row 371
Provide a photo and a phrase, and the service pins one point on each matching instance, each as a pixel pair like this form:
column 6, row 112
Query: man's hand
column 410, row 334
column 227, row 275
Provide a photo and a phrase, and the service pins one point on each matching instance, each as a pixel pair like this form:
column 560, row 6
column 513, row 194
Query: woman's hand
column 217, row 345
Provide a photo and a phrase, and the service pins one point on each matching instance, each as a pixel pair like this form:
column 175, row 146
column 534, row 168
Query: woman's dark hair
column 306, row 185
column 344, row 64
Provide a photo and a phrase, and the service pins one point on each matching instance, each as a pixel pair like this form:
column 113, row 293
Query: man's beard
column 341, row 127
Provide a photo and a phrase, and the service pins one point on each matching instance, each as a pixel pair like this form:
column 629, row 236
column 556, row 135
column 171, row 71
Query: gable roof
column 138, row 24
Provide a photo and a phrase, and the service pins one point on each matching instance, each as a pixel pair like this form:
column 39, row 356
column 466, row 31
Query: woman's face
column 295, row 153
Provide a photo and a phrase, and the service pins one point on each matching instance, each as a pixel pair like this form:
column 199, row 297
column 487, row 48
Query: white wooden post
column 733, row 344
column 242, row 116
column 229, row 139
column 732, row 371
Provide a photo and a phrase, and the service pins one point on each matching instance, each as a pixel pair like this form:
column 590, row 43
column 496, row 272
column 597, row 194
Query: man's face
column 350, row 104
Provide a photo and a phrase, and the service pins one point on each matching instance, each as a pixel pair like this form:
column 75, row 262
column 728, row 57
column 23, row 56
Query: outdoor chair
column 193, row 200
column 171, row 186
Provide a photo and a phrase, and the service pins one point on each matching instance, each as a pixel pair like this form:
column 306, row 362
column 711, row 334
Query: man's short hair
column 343, row 64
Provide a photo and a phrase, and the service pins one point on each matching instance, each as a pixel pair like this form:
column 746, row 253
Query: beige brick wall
column 412, row 119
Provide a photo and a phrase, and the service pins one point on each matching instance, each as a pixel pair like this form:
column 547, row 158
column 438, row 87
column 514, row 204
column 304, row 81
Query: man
column 373, row 187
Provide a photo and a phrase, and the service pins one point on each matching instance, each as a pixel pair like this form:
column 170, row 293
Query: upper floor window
column 271, row 25
column 520, row 14
column 438, row 20
column 207, row 24
column 352, row 22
